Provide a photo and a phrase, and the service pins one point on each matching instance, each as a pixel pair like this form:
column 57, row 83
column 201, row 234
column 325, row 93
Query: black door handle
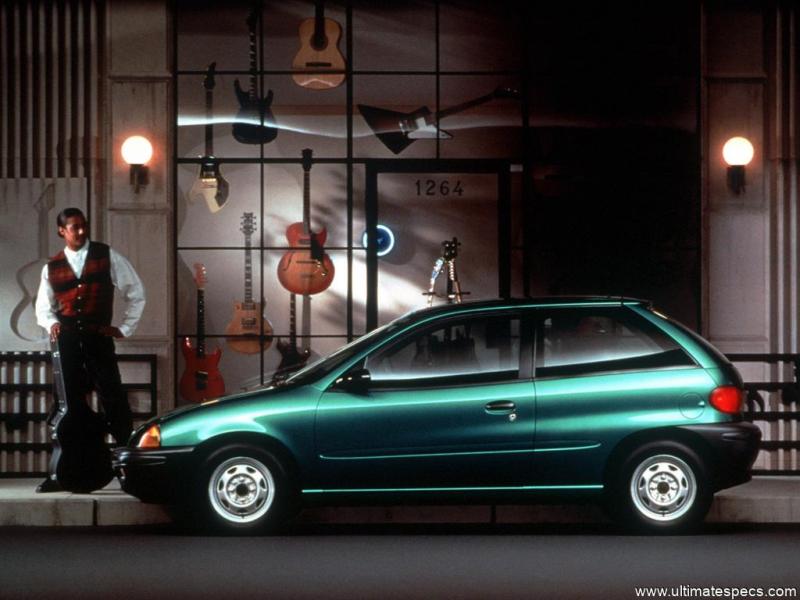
column 500, row 406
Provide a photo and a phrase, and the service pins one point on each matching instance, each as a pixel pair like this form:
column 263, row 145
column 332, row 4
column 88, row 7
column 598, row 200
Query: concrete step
column 763, row 500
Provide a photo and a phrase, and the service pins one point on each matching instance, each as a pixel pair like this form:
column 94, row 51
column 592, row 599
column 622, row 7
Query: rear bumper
column 733, row 447
column 159, row 475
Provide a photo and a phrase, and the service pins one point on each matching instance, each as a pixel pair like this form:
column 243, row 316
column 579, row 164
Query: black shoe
column 49, row 485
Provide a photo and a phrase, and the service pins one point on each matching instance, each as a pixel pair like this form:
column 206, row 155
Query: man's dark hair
column 65, row 214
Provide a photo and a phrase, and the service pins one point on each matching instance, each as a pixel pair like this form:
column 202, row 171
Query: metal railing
column 26, row 397
column 773, row 406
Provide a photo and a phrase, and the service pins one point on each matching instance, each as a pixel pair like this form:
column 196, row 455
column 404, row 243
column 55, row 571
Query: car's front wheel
column 243, row 489
column 662, row 487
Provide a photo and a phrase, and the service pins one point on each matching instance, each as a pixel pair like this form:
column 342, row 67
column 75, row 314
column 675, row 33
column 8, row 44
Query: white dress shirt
column 123, row 276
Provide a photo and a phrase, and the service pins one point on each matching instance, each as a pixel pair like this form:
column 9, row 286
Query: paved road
column 389, row 562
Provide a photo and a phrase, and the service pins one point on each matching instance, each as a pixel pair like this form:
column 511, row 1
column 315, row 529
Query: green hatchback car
column 497, row 401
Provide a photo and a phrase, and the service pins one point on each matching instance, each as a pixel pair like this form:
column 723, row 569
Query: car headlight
column 151, row 438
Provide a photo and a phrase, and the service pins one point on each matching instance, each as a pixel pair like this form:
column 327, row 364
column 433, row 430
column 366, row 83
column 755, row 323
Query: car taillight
column 151, row 438
column 728, row 399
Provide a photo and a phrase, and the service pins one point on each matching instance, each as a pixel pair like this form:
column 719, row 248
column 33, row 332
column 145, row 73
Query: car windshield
column 326, row 364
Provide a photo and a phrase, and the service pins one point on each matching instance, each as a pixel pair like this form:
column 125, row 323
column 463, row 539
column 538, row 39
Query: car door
column 601, row 374
column 447, row 407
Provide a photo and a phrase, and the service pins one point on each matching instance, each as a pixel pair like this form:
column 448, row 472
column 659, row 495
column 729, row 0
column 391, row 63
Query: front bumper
column 733, row 448
column 158, row 475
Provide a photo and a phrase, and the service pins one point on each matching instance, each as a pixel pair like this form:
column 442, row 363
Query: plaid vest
column 86, row 300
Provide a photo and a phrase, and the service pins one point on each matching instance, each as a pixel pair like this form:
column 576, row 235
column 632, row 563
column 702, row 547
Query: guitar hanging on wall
column 319, row 65
column 201, row 379
column 306, row 269
column 398, row 130
column 292, row 357
column 210, row 184
column 248, row 318
column 255, row 123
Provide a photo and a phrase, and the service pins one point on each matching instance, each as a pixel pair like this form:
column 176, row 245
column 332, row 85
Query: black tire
column 662, row 487
column 242, row 490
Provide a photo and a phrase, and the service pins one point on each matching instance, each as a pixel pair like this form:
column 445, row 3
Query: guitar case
column 81, row 461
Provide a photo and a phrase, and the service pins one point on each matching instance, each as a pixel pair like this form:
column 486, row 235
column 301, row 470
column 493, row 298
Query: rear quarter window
column 585, row 340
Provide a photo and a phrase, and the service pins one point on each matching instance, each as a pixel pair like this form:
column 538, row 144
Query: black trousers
column 89, row 362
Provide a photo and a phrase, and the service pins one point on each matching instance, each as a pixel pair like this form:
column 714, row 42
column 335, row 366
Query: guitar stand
column 446, row 261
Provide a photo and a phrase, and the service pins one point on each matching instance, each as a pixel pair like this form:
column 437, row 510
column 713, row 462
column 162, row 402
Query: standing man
column 75, row 304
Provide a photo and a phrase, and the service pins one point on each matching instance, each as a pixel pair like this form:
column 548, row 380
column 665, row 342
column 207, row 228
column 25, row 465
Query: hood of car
column 187, row 409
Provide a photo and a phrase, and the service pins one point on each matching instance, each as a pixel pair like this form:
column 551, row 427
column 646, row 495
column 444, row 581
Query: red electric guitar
column 306, row 270
column 201, row 379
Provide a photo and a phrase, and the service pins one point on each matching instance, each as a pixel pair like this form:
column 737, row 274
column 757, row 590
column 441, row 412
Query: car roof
column 529, row 302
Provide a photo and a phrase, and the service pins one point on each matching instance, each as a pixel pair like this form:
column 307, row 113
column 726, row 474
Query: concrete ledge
column 763, row 500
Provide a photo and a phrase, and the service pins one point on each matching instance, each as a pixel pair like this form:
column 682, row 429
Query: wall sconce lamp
column 737, row 152
column 137, row 151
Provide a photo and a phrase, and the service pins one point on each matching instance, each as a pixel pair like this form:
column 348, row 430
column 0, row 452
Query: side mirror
column 355, row 382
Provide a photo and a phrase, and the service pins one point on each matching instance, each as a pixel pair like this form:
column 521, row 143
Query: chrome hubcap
column 663, row 488
column 241, row 489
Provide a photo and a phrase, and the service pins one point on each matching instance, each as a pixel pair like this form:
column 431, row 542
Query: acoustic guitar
column 306, row 269
column 248, row 319
column 23, row 316
column 201, row 379
column 398, row 130
column 210, row 184
column 292, row 357
column 255, row 123
column 81, row 461
column 319, row 65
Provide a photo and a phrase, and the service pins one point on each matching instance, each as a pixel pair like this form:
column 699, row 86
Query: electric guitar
column 210, row 184
column 255, row 123
column 201, row 379
column 319, row 65
column 81, row 461
column 248, row 319
column 307, row 269
column 292, row 357
column 399, row 130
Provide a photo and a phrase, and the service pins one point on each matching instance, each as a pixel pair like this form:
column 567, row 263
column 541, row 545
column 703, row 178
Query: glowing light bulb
column 738, row 151
column 137, row 150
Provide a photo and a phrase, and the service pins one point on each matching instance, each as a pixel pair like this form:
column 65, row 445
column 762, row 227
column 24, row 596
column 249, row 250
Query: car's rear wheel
column 662, row 487
column 243, row 489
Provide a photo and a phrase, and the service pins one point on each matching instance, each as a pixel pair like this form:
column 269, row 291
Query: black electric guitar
column 255, row 123
column 210, row 185
column 398, row 130
column 81, row 461
column 292, row 357
column 319, row 65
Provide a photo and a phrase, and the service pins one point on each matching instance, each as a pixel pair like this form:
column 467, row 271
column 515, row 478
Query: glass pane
column 394, row 36
column 324, row 313
column 208, row 34
column 475, row 346
column 198, row 226
column 481, row 36
column 392, row 116
column 283, row 193
column 491, row 129
column 224, row 287
column 424, row 210
column 574, row 337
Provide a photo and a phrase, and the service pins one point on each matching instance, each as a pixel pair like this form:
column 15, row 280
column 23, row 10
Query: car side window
column 477, row 348
column 584, row 341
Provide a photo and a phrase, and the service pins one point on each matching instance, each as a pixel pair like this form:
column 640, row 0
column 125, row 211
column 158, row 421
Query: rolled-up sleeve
column 127, row 281
column 46, row 303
